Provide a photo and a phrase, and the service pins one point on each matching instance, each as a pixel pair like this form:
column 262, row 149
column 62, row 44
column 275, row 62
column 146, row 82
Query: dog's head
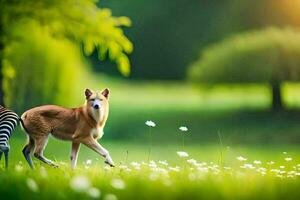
column 97, row 102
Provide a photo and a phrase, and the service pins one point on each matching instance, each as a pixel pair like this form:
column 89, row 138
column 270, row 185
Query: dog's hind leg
column 45, row 160
column 41, row 142
column 27, row 151
column 74, row 154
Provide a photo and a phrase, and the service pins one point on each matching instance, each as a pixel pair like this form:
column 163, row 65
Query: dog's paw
column 110, row 164
column 54, row 165
column 109, row 161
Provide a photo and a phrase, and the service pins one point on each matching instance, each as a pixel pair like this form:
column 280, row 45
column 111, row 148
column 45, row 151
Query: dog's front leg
column 94, row 145
column 74, row 154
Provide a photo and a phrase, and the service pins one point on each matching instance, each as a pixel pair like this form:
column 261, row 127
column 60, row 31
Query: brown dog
column 79, row 125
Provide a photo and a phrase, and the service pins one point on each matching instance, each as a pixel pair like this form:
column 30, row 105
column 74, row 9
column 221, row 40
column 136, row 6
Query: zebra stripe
column 8, row 121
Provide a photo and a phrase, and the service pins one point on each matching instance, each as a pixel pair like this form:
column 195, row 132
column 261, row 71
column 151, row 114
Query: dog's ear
column 105, row 93
column 88, row 93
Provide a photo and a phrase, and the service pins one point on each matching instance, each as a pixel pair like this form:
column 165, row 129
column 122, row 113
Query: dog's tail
column 21, row 119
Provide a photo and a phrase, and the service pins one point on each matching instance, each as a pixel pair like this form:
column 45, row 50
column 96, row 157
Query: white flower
column 257, row 162
column 135, row 164
column 80, row 183
column 263, row 173
column 163, row 162
column 262, row 169
column 160, row 170
column 32, row 185
column 152, row 164
column 288, row 159
column 93, row 192
column 192, row 161
column 88, row 162
column 118, row 184
column 150, row 123
column 249, row 166
column 202, row 163
column 203, row 169
column 182, row 154
column 275, row 170
column 143, row 163
column 43, row 172
column 291, row 172
column 175, row 169
column 183, row 128
column 241, row 158
column 110, row 197
column 129, row 170
column 19, row 168
column 270, row 163
column 123, row 167
column 282, row 172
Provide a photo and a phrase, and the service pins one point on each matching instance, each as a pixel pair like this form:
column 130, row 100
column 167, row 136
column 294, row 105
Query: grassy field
column 209, row 172
column 126, row 152
column 237, row 148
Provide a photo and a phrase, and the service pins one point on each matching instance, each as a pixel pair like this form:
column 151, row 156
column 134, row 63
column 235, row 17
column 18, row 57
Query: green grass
column 220, row 178
column 138, row 151
column 254, row 133
column 235, row 127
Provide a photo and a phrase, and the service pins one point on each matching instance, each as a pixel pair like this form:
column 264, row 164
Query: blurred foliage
column 42, row 40
column 169, row 34
column 47, row 71
column 268, row 56
column 257, row 56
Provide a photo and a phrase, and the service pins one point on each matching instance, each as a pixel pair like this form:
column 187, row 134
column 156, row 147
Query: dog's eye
column 92, row 99
column 101, row 99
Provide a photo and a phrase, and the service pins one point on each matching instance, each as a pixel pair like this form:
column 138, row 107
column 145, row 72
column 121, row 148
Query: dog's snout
column 97, row 104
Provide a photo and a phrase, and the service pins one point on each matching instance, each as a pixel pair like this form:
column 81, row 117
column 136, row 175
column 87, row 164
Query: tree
column 169, row 39
column 73, row 23
column 269, row 56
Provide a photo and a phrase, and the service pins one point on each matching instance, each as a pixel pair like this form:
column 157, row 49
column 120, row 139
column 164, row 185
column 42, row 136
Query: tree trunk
column 277, row 103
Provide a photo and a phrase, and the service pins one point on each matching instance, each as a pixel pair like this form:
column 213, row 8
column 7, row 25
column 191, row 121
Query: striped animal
column 8, row 121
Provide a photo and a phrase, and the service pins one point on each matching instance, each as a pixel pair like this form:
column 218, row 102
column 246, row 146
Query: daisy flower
column 182, row 154
column 183, row 128
column 150, row 123
column 241, row 158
